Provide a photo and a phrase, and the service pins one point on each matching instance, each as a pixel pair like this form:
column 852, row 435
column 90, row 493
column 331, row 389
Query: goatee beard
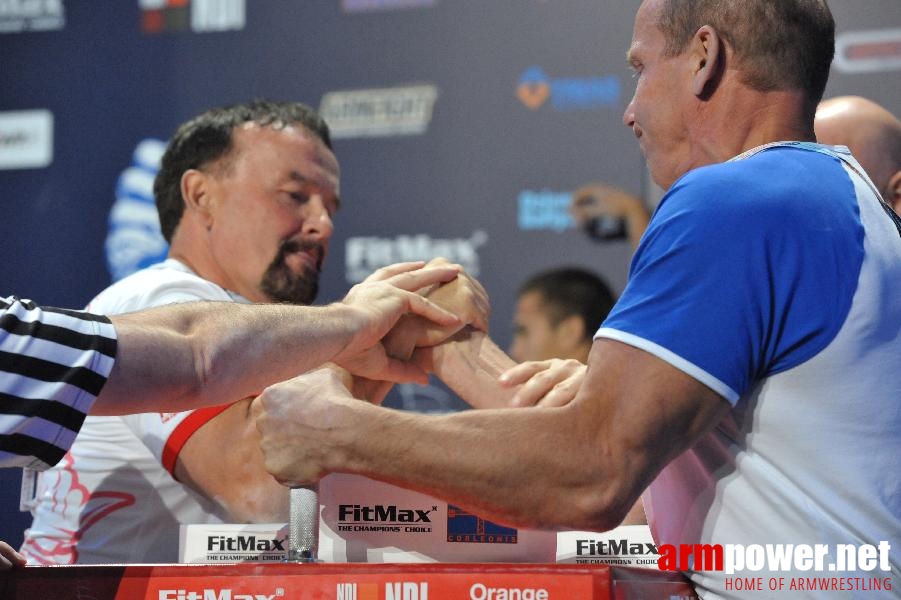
column 281, row 284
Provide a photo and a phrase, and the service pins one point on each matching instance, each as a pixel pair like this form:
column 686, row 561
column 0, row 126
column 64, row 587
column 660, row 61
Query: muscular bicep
column 648, row 411
column 222, row 460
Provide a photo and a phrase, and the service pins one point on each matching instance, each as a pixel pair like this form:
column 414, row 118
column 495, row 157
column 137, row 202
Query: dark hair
column 208, row 137
column 572, row 291
column 779, row 44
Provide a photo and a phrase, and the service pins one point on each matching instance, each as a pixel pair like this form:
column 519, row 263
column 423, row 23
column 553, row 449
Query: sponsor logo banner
column 362, row 520
column 868, row 51
column 548, row 210
column 352, row 6
column 26, row 139
column 133, row 239
column 363, row 255
column 466, row 527
column 536, row 89
column 199, row 16
column 385, row 518
column 210, row 544
column 31, row 15
column 421, row 586
column 383, row 112
column 544, row 210
column 627, row 545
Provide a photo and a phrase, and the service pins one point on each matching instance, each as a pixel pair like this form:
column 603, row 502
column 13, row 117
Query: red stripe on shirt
column 183, row 432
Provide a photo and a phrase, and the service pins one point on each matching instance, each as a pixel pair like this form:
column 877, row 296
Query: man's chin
column 295, row 291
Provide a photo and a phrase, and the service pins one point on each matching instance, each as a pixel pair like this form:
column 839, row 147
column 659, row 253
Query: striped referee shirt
column 53, row 364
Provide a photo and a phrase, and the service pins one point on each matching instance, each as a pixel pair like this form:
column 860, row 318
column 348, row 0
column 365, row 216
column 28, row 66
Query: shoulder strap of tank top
column 839, row 152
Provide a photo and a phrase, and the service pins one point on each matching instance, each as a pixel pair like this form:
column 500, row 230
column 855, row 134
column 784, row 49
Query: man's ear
column 706, row 52
column 572, row 328
column 893, row 192
column 195, row 190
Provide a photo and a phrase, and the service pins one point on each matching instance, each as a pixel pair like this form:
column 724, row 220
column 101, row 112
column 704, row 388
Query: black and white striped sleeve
column 53, row 364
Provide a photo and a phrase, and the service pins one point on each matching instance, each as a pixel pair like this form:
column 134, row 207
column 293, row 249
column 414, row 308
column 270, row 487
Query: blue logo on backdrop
column 466, row 527
column 544, row 210
column 133, row 240
column 535, row 88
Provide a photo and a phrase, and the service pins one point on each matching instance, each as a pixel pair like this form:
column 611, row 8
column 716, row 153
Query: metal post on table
column 303, row 524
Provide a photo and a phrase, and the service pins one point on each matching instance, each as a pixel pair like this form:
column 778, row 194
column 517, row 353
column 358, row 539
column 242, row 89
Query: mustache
column 291, row 246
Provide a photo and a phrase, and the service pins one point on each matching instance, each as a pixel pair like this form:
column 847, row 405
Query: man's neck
column 741, row 119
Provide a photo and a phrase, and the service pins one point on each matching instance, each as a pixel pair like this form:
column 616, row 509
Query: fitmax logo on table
column 215, row 594
column 536, row 88
column 244, row 543
column 616, row 551
column 199, row 16
column 384, row 518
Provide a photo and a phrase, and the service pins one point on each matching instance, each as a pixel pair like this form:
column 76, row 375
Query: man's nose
column 629, row 114
column 317, row 219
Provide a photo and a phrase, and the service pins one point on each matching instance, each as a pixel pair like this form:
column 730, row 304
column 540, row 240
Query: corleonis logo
column 868, row 51
column 158, row 16
column 535, row 89
column 467, row 527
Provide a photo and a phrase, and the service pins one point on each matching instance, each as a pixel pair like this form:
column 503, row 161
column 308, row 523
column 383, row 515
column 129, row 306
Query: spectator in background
column 557, row 313
column 604, row 212
column 873, row 135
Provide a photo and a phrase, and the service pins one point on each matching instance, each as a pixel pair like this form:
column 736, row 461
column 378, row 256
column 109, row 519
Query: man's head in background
column 873, row 135
column 557, row 313
column 246, row 195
